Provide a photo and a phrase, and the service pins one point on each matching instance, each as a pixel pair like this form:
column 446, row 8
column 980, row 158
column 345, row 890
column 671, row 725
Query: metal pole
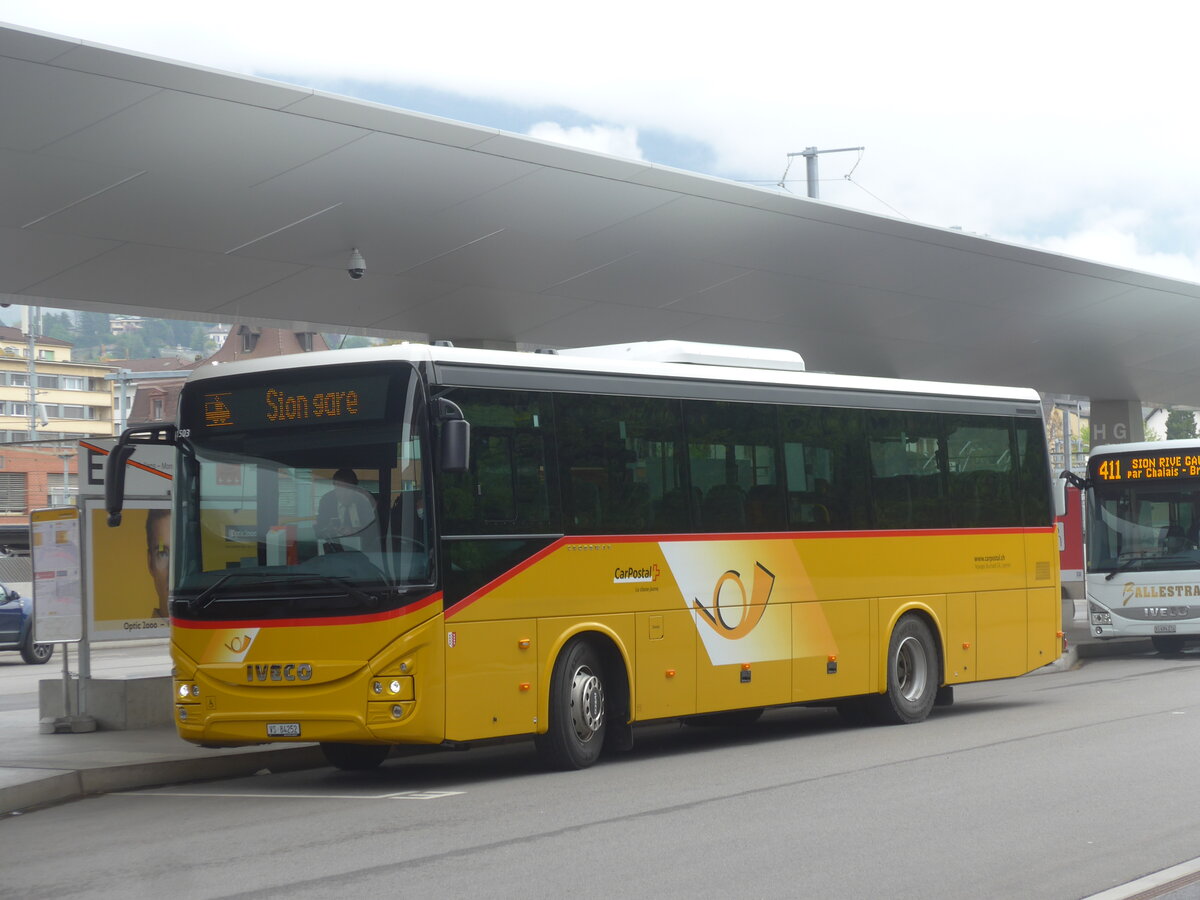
column 30, row 312
column 66, row 680
column 810, row 171
column 810, row 164
column 124, row 387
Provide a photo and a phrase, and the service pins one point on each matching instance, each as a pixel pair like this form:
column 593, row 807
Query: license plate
column 1164, row 629
column 292, row 729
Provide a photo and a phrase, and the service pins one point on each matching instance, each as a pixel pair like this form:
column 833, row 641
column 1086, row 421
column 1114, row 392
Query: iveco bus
column 559, row 546
column 1143, row 526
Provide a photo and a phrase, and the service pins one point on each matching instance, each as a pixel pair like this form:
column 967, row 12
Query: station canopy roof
column 133, row 184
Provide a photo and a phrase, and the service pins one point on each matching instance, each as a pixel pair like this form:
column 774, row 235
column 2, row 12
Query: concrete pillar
column 1116, row 422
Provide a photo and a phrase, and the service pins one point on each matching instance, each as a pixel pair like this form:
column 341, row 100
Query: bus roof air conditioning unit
column 696, row 353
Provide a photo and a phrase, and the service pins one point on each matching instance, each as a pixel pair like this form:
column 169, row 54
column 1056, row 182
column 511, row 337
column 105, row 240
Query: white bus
column 1143, row 542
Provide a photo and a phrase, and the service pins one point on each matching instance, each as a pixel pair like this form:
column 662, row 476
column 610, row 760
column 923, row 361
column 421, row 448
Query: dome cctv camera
column 357, row 266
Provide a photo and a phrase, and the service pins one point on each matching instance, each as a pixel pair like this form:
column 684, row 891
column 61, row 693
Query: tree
column 94, row 326
column 156, row 334
column 1181, row 424
column 59, row 325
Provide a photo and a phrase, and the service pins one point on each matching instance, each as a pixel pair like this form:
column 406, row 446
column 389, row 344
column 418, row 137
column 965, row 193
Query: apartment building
column 70, row 400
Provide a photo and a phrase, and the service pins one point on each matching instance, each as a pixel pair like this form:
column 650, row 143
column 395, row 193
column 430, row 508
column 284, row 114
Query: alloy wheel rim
column 912, row 669
column 587, row 703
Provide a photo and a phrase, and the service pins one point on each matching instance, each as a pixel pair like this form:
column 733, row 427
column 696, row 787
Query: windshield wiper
column 1128, row 564
column 206, row 596
column 209, row 595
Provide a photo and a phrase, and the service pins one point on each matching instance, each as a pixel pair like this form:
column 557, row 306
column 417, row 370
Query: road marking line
column 401, row 795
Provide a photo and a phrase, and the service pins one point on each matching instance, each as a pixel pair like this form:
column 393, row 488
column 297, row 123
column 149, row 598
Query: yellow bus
column 435, row 545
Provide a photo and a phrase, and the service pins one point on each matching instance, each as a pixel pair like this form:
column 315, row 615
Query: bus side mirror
column 114, row 466
column 1060, row 497
column 456, row 445
column 455, row 451
column 114, row 482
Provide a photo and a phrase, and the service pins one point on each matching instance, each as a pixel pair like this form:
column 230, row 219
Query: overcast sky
column 1069, row 126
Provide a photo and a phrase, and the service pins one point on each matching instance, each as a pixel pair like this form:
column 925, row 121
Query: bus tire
column 355, row 757
column 1167, row 644
column 913, row 674
column 578, row 716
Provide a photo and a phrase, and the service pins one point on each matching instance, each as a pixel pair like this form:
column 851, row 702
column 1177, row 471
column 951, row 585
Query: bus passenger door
column 491, row 679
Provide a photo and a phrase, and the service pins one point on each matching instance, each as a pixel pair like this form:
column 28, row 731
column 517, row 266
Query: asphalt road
column 1057, row 786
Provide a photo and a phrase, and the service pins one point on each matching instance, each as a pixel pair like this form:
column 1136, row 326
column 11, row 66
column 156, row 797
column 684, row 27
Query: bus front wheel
column 578, row 716
column 1167, row 644
column 355, row 757
column 913, row 673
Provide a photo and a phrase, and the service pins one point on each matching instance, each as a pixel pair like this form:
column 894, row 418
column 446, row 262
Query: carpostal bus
column 561, row 545
column 1143, row 527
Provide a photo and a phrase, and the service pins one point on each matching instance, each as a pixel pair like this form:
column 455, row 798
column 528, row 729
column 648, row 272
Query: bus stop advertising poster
column 129, row 571
column 57, row 586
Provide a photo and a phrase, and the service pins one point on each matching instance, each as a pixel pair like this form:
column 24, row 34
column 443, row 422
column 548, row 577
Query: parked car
column 16, row 627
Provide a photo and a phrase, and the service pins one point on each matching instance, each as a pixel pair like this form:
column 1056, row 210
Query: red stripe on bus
column 732, row 536
column 512, row 573
column 415, row 606
column 128, row 462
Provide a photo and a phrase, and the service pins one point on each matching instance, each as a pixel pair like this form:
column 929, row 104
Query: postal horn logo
column 239, row 643
column 752, row 606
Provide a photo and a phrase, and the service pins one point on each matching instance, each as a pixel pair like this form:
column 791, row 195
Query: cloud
column 600, row 138
column 1116, row 238
column 1047, row 115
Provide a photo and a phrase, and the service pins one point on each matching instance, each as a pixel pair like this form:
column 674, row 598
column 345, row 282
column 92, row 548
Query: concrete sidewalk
column 38, row 769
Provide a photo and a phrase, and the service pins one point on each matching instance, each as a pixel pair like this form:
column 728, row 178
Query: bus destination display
column 334, row 400
column 1151, row 466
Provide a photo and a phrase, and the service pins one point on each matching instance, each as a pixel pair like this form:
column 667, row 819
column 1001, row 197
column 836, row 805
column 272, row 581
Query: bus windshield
column 304, row 498
column 1143, row 526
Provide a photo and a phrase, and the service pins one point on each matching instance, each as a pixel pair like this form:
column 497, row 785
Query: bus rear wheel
column 355, row 757
column 913, row 673
column 578, row 715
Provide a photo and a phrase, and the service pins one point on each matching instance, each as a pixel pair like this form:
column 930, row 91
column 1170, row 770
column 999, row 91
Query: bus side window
column 983, row 476
column 824, row 466
column 1034, row 473
column 510, row 488
column 621, row 464
column 908, row 470
column 733, row 459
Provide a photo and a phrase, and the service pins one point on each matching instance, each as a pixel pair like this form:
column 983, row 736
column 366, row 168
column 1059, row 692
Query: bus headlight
column 392, row 686
column 1099, row 615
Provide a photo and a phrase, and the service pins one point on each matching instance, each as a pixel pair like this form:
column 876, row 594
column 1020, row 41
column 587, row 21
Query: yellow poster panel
column 130, row 573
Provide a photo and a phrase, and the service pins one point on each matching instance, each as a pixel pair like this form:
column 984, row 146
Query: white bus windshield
column 1143, row 526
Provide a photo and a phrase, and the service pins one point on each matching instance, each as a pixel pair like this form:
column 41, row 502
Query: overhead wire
column 782, row 182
